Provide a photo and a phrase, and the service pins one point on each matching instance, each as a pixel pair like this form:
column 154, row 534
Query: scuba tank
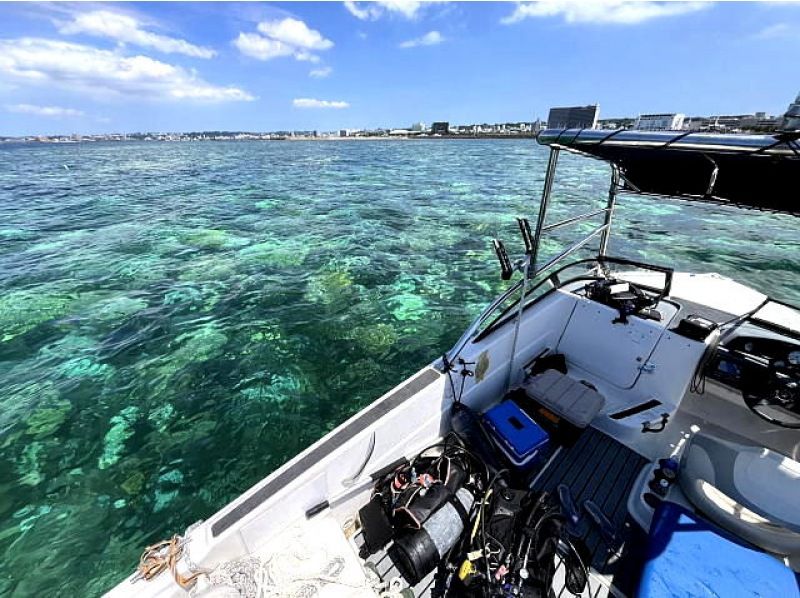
column 433, row 517
column 417, row 554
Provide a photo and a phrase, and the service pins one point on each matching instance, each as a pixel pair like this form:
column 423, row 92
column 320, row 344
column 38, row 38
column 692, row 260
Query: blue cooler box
column 517, row 435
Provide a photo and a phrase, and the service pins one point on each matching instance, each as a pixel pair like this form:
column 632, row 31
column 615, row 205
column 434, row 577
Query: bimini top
column 754, row 171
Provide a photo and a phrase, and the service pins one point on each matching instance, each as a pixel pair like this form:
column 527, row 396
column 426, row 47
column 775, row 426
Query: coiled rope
column 164, row 555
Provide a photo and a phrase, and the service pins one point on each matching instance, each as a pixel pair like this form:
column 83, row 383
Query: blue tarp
column 688, row 556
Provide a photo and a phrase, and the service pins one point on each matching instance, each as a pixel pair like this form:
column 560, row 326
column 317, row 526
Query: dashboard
column 742, row 353
column 765, row 366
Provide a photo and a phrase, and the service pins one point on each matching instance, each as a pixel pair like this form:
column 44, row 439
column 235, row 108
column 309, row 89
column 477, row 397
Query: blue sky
column 104, row 67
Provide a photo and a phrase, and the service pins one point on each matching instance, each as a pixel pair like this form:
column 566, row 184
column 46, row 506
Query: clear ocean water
column 178, row 320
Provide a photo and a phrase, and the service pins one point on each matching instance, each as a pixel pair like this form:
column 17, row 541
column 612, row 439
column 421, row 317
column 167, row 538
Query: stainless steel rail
column 612, row 200
column 572, row 249
column 579, row 218
column 549, row 177
column 530, row 269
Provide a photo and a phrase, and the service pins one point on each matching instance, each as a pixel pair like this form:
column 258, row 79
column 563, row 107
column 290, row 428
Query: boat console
column 625, row 297
column 765, row 366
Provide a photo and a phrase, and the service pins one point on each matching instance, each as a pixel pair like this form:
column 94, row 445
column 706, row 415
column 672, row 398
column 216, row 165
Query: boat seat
column 748, row 490
column 570, row 399
column 688, row 556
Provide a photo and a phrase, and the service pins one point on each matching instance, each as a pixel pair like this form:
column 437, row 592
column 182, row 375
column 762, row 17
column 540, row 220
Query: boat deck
column 600, row 469
column 596, row 468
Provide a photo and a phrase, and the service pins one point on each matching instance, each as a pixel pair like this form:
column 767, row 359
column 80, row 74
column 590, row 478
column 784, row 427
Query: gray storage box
column 567, row 398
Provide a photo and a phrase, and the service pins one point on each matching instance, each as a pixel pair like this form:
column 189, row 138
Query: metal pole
column 520, row 307
column 530, row 260
column 612, row 198
column 549, row 176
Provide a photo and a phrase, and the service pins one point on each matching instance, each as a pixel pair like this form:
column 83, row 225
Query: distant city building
column 464, row 129
column 440, row 128
column 729, row 123
column 732, row 123
column 518, row 127
column 616, row 123
column 695, row 123
column 760, row 121
column 574, row 117
column 791, row 120
column 671, row 121
column 419, row 127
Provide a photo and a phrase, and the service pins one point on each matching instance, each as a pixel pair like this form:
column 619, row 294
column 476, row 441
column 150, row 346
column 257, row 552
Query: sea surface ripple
column 178, row 320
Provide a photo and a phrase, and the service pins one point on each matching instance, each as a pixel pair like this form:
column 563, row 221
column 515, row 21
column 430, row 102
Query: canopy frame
column 745, row 171
column 585, row 142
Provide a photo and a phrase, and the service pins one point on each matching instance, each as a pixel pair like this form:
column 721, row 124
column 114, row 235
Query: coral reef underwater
column 178, row 320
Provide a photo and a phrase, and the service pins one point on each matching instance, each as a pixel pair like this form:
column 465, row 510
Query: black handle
column 384, row 471
column 656, row 427
column 505, row 264
column 527, row 236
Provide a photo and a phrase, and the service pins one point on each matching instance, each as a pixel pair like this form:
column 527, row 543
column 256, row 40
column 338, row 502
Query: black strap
column 462, row 512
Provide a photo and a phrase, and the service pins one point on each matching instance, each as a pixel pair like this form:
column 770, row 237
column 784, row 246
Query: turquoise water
column 177, row 320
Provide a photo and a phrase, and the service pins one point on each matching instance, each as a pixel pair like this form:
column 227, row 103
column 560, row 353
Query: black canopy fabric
column 753, row 171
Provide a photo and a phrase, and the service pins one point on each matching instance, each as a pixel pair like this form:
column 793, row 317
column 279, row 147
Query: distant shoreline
column 419, row 138
column 289, row 139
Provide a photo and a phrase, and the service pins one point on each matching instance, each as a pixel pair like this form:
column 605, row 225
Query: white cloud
column 369, row 12
column 321, row 72
column 372, row 11
column 619, row 12
column 776, row 31
column 255, row 46
column 285, row 37
column 295, row 33
column 127, row 29
column 429, row 39
column 306, row 56
column 311, row 103
column 56, row 111
column 104, row 72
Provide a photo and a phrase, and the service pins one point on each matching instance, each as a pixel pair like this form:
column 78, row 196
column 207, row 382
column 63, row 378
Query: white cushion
column 749, row 490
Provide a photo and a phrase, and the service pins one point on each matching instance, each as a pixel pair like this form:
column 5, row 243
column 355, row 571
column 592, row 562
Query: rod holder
column 506, row 270
column 527, row 235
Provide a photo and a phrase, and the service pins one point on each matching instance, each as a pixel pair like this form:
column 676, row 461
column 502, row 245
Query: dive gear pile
column 446, row 512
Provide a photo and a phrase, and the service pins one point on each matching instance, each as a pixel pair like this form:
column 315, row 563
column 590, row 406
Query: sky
column 124, row 67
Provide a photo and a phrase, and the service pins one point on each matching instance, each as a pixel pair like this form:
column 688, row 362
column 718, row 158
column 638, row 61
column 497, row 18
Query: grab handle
column 655, row 425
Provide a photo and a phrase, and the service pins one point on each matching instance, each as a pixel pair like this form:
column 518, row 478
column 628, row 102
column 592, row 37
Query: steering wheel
column 776, row 396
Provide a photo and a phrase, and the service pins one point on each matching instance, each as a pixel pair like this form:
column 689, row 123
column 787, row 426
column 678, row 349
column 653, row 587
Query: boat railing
column 604, row 230
column 498, row 313
column 530, row 266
